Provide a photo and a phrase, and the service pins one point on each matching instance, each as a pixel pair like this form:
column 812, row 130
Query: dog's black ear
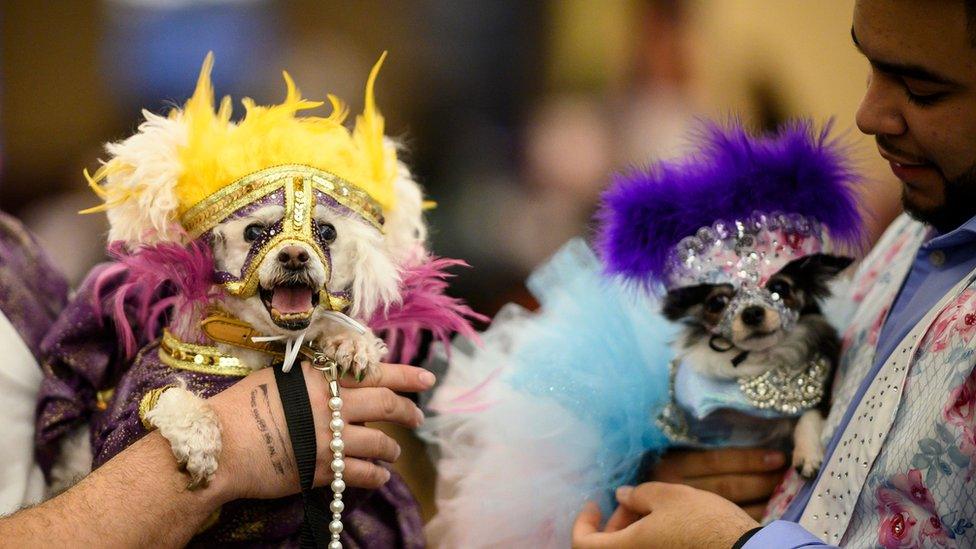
column 814, row 272
column 680, row 300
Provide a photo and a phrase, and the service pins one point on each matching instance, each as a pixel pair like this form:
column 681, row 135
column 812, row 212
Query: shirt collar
column 961, row 235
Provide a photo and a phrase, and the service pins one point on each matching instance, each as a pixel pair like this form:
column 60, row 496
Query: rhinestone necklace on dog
column 785, row 389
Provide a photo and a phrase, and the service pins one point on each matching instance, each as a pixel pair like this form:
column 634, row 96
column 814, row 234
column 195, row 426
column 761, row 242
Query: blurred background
column 515, row 113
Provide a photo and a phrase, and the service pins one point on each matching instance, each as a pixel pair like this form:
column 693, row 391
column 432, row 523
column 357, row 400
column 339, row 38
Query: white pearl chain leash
column 330, row 369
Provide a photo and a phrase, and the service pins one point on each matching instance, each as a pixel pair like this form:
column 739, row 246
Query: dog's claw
column 355, row 354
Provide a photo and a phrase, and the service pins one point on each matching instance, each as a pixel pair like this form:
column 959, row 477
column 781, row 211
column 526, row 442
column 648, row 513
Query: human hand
column 257, row 459
column 658, row 514
column 746, row 476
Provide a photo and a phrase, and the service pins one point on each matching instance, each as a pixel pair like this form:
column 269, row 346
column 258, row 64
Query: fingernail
column 774, row 459
column 386, row 476
column 420, row 416
column 398, row 451
column 624, row 491
column 427, row 379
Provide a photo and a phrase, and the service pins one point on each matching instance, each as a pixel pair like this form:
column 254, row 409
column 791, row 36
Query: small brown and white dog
column 761, row 338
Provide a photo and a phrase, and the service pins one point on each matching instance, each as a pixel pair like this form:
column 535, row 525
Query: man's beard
column 958, row 206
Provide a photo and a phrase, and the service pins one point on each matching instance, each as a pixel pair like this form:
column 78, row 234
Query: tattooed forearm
column 277, row 428
column 273, row 439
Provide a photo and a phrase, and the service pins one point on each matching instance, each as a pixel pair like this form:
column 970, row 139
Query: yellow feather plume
column 218, row 151
column 368, row 134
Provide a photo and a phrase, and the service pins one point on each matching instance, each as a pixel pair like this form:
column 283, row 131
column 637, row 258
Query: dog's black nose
column 293, row 257
column 753, row 315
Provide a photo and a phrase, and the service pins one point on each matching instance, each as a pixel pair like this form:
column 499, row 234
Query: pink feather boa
column 424, row 307
column 142, row 286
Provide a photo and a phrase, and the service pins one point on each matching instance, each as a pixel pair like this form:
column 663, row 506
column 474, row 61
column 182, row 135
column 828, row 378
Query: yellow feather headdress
column 174, row 164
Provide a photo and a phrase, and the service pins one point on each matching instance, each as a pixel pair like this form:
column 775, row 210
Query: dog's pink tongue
column 292, row 300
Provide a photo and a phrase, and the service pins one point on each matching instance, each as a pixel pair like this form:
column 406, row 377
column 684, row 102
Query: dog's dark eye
column 327, row 232
column 780, row 287
column 253, row 232
column 716, row 303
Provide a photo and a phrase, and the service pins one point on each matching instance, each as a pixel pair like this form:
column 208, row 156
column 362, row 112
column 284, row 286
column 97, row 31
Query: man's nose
column 293, row 257
column 880, row 110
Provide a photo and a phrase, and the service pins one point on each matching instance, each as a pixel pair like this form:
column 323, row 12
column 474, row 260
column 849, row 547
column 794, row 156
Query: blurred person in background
column 572, row 144
column 578, row 131
column 32, row 294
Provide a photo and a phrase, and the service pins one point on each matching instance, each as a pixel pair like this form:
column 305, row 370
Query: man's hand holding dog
column 657, row 514
column 257, row 461
column 745, row 476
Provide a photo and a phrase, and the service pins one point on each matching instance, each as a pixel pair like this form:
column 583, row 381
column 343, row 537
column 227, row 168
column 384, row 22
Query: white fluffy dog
column 291, row 278
column 296, row 228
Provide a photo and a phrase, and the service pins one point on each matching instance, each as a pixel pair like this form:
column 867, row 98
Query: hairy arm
column 125, row 502
column 140, row 497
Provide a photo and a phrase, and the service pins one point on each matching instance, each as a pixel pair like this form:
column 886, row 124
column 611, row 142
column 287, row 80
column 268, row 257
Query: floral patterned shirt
column 905, row 448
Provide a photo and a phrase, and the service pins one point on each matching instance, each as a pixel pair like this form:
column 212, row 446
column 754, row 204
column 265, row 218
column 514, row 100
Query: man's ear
column 679, row 301
column 814, row 272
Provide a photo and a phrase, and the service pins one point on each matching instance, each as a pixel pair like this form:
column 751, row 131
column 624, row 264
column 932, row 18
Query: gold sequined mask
column 299, row 189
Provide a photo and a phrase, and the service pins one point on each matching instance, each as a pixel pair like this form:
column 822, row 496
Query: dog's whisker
column 347, row 320
column 264, row 339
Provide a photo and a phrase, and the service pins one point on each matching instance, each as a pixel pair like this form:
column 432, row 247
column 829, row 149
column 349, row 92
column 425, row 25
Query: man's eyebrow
column 905, row 70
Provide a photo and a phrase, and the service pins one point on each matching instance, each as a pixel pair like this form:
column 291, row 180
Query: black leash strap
column 301, row 431
column 737, row 359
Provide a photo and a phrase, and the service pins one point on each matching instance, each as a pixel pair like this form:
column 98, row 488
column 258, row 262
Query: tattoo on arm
column 274, row 439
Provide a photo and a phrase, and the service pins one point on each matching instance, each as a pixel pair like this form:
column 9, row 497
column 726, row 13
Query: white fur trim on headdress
column 149, row 168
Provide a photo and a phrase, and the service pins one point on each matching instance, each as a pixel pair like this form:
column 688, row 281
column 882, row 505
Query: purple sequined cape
column 32, row 292
column 83, row 358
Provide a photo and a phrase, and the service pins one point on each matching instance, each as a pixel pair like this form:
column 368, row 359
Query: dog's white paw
column 357, row 353
column 808, row 452
column 193, row 431
column 807, row 463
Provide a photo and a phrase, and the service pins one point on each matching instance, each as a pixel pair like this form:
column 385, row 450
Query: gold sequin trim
column 336, row 303
column 198, row 358
column 215, row 208
column 148, row 402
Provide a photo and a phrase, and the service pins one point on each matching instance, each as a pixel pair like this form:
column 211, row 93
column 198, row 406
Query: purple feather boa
column 645, row 213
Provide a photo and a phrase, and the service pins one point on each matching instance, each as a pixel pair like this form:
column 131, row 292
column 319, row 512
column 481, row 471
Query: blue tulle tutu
column 555, row 408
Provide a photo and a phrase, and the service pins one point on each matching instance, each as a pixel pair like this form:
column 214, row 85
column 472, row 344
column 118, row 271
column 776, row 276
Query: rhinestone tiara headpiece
column 736, row 211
